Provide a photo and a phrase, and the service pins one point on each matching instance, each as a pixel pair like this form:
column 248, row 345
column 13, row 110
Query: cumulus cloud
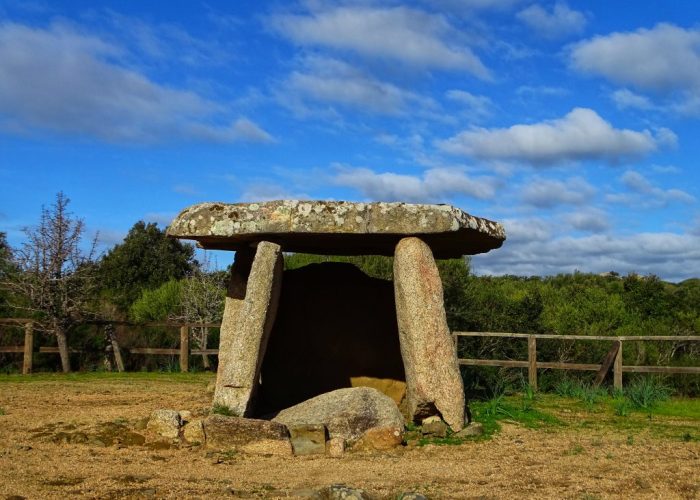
column 434, row 185
column 637, row 183
column 334, row 82
column 671, row 256
column 560, row 22
column 77, row 86
column 580, row 135
column 266, row 191
column 548, row 193
column 403, row 34
column 625, row 98
column 663, row 58
column 592, row 220
column 479, row 106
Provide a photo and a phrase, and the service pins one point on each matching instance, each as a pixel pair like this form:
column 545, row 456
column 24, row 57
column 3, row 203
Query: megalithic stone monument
column 258, row 314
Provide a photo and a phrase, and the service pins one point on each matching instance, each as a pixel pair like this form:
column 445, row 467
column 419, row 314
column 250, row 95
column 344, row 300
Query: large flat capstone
column 337, row 227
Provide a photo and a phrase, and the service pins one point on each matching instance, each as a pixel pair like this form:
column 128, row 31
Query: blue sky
column 575, row 124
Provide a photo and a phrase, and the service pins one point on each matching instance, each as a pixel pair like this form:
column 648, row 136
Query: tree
column 7, row 270
column 56, row 276
column 143, row 261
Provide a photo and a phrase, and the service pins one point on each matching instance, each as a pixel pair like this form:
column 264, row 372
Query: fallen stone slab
column 247, row 434
column 346, row 413
column 434, row 383
column 336, row 227
column 379, row 439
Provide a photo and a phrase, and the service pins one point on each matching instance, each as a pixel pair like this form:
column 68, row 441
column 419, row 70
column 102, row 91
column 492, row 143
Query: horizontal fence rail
column 613, row 359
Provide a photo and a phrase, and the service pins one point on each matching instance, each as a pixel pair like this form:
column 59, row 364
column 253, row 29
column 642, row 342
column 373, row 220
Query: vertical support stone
column 434, row 383
column 532, row 362
column 249, row 315
column 28, row 348
column 184, row 348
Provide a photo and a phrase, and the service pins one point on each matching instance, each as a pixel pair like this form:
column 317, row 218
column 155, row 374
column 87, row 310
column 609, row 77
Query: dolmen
column 289, row 336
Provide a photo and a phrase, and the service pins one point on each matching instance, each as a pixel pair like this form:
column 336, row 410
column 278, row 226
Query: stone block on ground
column 379, row 439
column 246, row 328
column 165, row 423
column 346, row 413
column 193, row 432
column 336, row 447
column 434, row 426
column 247, row 435
column 434, row 383
column 342, row 492
column 309, row 439
column 472, row 430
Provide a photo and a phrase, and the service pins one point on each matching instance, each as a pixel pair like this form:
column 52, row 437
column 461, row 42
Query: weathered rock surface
column 335, row 328
column 434, row 383
column 472, row 430
column 342, row 492
column 309, row 439
column 434, row 426
column 246, row 328
column 165, row 423
column 379, row 439
column 247, row 435
column 336, row 447
column 346, row 413
column 336, row 227
column 193, row 432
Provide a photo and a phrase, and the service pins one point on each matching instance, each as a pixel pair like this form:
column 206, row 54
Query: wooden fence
column 613, row 358
column 183, row 351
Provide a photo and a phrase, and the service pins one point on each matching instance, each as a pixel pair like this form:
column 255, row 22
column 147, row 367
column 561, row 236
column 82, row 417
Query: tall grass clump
column 644, row 393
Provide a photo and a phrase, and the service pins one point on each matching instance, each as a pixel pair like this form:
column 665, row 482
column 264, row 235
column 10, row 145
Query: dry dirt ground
column 37, row 462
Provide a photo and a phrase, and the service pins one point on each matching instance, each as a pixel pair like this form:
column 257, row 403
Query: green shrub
column 644, row 393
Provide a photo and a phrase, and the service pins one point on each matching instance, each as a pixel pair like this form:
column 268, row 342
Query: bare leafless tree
column 57, row 276
column 202, row 301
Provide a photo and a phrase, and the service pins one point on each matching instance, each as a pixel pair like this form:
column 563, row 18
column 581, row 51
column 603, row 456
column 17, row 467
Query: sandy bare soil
column 36, row 461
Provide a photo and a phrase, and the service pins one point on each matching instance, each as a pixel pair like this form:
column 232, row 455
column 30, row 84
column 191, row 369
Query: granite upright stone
column 248, row 320
column 434, row 384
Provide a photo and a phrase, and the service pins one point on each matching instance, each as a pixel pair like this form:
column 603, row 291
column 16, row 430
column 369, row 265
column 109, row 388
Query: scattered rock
column 434, row 383
column 247, row 434
column 185, row 416
column 193, row 432
column 472, row 430
column 342, row 492
column 434, row 426
column 308, row 439
column 246, row 329
column 380, row 439
column 165, row 423
column 346, row 413
column 211, row 387
column 141, row 424
column 412, row 495
column 336, row 447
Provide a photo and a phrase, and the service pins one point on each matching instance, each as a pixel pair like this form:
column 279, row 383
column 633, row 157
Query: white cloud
column 625, row 98
column 266, row 191
column 77, row 87
column 472, row 5
column 637, row 183
column 592, row 220
column 560, row 22
column 580, row 135
column 240, row 130
column 334, row 82
column 479, row 106
column 671, row 256
column 410, row 36
column 663, row 58
column 548, row 193
column 434, row 185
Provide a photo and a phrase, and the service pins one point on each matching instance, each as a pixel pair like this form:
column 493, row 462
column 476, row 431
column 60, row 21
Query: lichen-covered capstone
column 246, row 328
column 336, row 227
column 434, row 384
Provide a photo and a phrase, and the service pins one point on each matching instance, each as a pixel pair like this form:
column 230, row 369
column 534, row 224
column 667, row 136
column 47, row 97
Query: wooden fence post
column 532, row 362
column 618, row 368
column 28, row 348
column 184, row 348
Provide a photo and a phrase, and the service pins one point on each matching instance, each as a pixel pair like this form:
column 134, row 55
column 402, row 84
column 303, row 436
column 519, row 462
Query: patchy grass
column 224, row 410
column 89, row 377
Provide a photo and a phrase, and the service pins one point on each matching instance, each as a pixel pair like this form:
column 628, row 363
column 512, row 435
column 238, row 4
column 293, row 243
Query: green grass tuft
column 645, row 393
column 224, row 410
